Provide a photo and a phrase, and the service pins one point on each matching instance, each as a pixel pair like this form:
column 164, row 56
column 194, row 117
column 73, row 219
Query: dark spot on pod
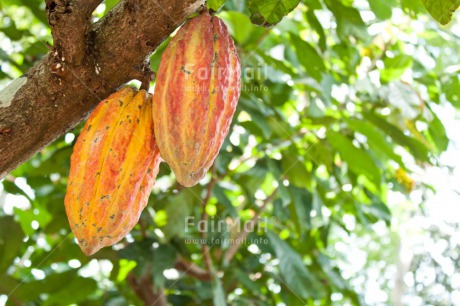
column 96, row 140
column 149, row 170
column 121, row 122
column 118, row 187
column 138, row 120
column 71, row 183
column 216, row 37
column 182, row 68
column 140, row 188
column 112, row 216
column 87, row 203
column 110, row 149
column 99, row 229
column 130, row 121
column 98, row 173
column 121, row 102
column 107, row 127
column 139, row 106
column 76, row 225
column 105, row 197
column 89, row 127
column 94, row 224
column 127, row 116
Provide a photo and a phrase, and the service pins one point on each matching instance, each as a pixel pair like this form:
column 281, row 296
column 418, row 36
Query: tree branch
column 192, row 269
column 144, row 289
column 69, row 21
column 244, row 234
column 205, row 250
column 55, row 95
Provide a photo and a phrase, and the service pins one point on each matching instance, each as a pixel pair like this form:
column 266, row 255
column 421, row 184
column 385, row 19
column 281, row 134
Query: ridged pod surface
column 196, row 93
column 113, row 168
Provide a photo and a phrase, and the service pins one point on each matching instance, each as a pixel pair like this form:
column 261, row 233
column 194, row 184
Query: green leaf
column 62, row 284
column 219, row 193
column 12, row 32
column 450, row 89
column 270, row 12
column 313, row 4
column 303, row 204
column 74, row 291
column 155, row 58
column 382, row 8
column 178, row 207
column 357, row 159
column 395, row 67
column 314, row 22
column 293, row 270
column 377, row 208
column 215, row 5
column 12, row 188
column 438, row 134
column 43, row 217
column 218, row 292
column 311, row 61
column 164, row 258
column 418, row 149
column 294, row 168
column 11, row 237
column 109, row 4
column 375, row 138
column 441, row 10
column 332, row 272
column 412, row 7
column 405, row 98
column 349, row 21
column 241, row 28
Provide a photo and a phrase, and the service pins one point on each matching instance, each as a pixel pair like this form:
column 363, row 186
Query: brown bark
column 145, row 291
column 90, row 61
column 193, row 270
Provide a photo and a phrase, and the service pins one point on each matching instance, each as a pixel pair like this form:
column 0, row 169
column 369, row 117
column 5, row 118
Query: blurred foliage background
column 344, row 134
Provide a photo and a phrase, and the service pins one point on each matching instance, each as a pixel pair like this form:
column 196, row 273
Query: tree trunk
column 88, row 63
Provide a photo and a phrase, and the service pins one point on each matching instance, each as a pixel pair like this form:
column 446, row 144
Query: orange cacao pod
column 196, row 93
column 113, row 168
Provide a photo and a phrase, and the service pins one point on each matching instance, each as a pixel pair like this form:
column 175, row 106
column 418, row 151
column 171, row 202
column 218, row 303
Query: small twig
column 204, row 217
column 191, row 269
column 144, row 289
column 244, row 234
column 143, row 228
column 146, row 75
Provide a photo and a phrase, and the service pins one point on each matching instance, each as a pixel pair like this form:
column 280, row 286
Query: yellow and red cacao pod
column 196, row 93
column 113, row 168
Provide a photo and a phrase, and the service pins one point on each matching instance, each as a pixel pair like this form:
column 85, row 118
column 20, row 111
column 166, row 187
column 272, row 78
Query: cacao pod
column 196, row 93
column 113, row 168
